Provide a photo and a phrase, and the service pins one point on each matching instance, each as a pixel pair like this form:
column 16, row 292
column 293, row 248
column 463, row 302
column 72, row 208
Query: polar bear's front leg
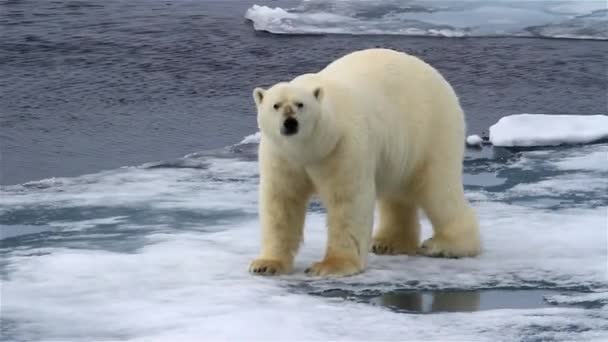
column 284, row 195
column 350, row 212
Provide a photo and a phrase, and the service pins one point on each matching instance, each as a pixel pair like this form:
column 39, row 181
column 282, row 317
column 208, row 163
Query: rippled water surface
column 95, row 85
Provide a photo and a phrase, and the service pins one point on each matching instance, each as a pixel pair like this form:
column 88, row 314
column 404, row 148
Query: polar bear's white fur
column 375, row 126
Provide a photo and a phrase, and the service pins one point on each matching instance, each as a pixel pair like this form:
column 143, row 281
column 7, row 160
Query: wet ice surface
column 160, row 252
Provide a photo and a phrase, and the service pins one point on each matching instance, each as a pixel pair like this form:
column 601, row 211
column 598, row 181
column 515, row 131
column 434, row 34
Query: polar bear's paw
column 383, row 246
column 450, row 248
column 334, row 267
column 267, row 267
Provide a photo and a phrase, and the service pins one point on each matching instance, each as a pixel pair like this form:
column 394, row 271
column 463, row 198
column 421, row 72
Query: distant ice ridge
column 548, row 130
column 549, row 19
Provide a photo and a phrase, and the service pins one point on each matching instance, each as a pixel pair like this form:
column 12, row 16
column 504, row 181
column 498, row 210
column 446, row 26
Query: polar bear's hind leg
column 455, row 226
column 399, row 228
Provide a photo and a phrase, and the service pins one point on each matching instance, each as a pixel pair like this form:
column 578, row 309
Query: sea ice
column 548, row 130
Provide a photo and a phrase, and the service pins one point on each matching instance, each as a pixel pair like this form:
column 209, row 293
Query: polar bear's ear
column 258, row 95
column 318, row 93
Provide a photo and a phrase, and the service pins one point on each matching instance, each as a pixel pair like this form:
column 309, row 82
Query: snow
column 548, row 130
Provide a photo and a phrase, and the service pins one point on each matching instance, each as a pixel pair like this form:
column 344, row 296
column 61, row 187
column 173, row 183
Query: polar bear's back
column 398, row 81
column 391, row 73
column 411, row 111
column 362, row 62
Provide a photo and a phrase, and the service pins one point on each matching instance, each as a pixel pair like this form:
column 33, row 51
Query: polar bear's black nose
column 290, row 126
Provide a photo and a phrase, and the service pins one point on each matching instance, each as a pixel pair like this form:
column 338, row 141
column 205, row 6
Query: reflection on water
column 453, row 300
column 443, row 301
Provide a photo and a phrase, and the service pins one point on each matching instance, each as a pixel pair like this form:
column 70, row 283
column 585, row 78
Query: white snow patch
column 548, row 130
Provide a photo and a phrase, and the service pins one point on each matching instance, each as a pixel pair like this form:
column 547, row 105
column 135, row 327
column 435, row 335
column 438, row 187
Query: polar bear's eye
column 299, row 104
column 276, row 105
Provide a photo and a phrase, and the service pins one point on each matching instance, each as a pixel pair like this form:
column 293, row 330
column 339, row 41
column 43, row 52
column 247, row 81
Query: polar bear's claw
column 333, row 268
column 267, row 267
column 388, row 247
column 443, row 248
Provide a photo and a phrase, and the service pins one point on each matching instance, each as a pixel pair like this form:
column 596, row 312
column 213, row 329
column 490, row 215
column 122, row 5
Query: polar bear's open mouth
column 290, row 126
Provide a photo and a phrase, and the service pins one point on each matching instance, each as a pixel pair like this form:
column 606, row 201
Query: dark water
column 92, row 85
column 452, row 300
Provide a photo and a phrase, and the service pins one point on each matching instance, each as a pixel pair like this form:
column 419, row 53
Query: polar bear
column 375, row 126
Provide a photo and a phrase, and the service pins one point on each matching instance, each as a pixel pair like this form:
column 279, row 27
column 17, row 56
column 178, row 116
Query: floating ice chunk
column 251, row 139
column 474, row 140
column 264, row 17
column 552, row 19
column 548, row 130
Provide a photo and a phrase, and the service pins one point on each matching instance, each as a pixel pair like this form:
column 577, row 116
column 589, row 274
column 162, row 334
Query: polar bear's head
column 289, row 112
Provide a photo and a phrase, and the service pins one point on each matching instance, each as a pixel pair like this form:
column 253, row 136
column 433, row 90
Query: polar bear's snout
column 290, row 126
column 288, row 111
